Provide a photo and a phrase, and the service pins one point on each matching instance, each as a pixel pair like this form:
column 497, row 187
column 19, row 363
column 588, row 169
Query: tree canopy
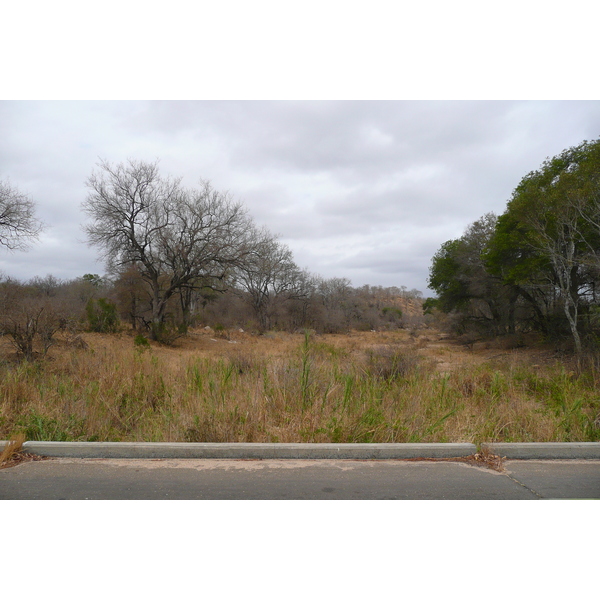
column 542, row 255
column 175, row 237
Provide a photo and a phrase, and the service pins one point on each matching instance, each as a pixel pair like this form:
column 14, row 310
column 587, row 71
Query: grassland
column 362, row 387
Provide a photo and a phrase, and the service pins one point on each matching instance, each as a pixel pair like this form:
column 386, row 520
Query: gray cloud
column 358, row 189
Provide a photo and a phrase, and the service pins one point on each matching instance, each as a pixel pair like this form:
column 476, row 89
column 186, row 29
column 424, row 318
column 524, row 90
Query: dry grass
column 12, row 447
column 362, row 387
column 12, row 453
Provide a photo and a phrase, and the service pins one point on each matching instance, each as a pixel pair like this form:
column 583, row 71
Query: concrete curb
column 531, row 450
column 246, row 451
column 546, row 450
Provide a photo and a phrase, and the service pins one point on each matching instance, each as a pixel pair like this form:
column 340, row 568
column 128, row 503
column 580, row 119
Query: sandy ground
column 449, row 353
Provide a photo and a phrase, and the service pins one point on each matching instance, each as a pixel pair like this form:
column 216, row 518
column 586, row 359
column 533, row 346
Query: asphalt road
column 208, row 479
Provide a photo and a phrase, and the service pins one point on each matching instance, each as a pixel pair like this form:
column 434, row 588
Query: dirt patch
column 450, row 354
column 479, row 459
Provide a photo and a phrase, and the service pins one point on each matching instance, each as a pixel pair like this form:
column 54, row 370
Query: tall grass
column 312, row 390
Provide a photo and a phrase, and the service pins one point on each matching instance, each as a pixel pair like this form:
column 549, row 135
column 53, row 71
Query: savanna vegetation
column 231, row 386
column 205, row 329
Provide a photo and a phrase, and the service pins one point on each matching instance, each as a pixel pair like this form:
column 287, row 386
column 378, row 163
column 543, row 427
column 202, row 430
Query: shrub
column 392, row 312
column 102, row 315
column 389, row 363
column 141, row 342
column 31, row 324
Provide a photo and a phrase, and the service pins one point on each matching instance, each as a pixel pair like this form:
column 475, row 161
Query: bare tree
column 176, row 238
column 269, row 276
column 333, row 301
column 18, row 224
column 29, row 317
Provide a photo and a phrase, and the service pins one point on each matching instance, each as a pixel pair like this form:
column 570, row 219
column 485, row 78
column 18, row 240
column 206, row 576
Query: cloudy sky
column 318, row 125
column 366, row 190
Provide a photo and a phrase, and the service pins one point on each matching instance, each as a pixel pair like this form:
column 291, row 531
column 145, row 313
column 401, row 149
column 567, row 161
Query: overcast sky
column 366, row 190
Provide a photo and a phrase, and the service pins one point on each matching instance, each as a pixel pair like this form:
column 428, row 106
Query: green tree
column 513, row 260
column 445, row 277
column 550, row 232
column 459, row 277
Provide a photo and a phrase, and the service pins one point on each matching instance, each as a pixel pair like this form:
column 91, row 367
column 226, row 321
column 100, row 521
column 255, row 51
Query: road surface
column 208, row 479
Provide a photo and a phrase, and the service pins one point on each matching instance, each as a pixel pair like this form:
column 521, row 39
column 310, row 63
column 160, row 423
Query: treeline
column 177, row 257
column 33, row 312
column 536, row 267
column 176, row 253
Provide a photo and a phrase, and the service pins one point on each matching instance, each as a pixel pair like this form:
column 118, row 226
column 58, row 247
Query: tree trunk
column 158, row 317
column 572, row 318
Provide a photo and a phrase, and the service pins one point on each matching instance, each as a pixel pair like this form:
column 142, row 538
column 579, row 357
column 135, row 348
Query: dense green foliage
column 537, row 266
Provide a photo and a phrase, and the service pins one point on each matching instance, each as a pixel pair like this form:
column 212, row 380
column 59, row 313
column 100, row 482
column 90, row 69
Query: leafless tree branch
column 18, row 225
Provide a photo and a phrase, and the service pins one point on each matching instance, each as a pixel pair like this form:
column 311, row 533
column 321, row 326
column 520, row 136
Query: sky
column 361, row 189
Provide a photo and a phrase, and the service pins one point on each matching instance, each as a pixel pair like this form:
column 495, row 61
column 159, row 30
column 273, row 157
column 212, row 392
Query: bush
column 393, row 313
column 140, row 342
column 102, row 315
column 29, row 319
column 388, row 363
